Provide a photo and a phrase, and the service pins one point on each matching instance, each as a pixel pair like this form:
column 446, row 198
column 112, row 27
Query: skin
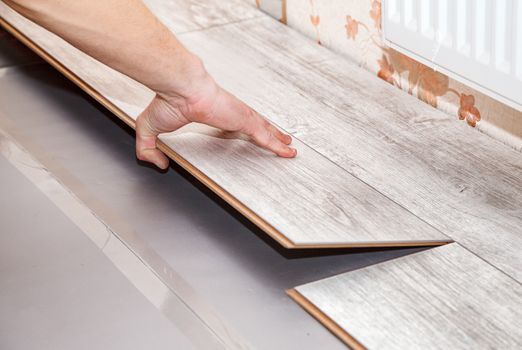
column 126, row 36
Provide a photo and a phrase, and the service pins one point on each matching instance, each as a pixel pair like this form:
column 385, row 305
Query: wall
column 353, row 28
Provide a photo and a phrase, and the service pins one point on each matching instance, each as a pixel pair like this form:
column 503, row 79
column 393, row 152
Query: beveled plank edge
column 199, row 175
column 326, row 321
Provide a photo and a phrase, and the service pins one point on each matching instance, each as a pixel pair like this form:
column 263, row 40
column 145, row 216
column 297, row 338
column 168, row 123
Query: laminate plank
column 190, row 15
column 462, row 182
column 308, row 202
column 442, row 298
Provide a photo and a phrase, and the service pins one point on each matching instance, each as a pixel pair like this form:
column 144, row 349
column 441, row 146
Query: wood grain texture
column 442, row 298
column 189, row 15
column 313, row 204
column 309, row 199
column 462, row 182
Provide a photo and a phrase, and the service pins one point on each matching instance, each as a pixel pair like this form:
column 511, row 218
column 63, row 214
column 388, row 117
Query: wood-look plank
column 307, row 202
column 189, row 15
column 462, row 182
column 309, row 199
column 442, row 298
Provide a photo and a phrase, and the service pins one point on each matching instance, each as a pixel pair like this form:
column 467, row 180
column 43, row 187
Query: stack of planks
column 376, row 167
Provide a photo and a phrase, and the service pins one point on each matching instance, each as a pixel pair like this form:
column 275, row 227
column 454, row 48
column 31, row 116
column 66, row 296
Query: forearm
column 126, row 36
column 123, row 34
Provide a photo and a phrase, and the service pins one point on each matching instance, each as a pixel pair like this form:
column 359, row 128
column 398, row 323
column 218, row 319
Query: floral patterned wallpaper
column 353, row 28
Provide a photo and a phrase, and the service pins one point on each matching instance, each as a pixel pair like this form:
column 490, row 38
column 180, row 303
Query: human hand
column 195, row 97
column 126, row 36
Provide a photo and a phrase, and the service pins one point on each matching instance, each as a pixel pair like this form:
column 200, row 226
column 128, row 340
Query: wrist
column 185, row 77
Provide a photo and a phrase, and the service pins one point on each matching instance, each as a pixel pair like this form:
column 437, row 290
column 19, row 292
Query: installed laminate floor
column 460, row 181
column 442, row 298
column 315, row 203
column 190, row 15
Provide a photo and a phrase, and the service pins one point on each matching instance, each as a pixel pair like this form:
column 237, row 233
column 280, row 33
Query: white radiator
column 478, row 42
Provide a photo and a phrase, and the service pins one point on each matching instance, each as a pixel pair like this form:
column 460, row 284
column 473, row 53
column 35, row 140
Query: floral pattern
column 315, row 20
column 354, row 28
column 375, row 13
column 467, row 109
column 398, row 69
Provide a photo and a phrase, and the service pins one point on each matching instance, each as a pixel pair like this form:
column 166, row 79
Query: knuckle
column 140, row 154
column 250, row 115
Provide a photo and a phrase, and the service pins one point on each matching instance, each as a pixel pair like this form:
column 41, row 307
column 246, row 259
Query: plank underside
column 309, row 202
column 442, row 298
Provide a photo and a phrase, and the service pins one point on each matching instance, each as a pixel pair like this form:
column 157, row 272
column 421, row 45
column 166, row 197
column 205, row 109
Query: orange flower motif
column 386, row 71
column 468, row 110
column 375, row 13
column 352, row 27
column 315, row 20
column 430, row 84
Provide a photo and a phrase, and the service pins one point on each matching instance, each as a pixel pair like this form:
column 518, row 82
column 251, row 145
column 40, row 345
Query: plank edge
column 326, row 321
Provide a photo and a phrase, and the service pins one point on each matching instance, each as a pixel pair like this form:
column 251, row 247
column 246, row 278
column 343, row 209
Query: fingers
column 223, row 111
column 229, row 113
column 146, row 138
column 151, row 122
column 268, row 136
column 284, row 138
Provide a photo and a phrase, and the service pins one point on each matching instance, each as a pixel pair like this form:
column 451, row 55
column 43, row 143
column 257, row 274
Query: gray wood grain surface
column 189, row 15
column 462, row 182
column 310, row 200
column 442, row 298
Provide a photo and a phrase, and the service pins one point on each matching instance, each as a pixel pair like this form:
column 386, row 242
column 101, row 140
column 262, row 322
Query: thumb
column 148, row 127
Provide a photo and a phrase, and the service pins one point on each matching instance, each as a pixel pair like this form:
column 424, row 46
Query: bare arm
column 126, row 36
